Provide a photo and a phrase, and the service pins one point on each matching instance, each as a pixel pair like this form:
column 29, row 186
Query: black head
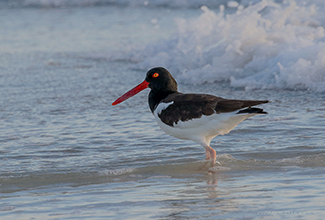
column 161, row 81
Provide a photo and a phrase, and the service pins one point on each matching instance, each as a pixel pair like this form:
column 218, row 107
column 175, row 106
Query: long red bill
column 132, row 92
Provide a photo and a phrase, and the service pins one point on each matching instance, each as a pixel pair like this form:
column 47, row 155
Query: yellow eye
column 155, row 75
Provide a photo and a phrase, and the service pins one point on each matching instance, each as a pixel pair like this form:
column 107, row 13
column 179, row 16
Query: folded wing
column 186, row 107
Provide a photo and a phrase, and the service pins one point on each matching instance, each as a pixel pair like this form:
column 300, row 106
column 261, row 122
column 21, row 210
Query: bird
column 191, row 116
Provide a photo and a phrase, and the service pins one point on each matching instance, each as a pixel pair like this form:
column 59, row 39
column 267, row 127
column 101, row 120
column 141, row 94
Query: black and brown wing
column 186, row 107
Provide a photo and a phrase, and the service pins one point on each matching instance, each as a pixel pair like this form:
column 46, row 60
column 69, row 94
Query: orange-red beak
column 132, row 92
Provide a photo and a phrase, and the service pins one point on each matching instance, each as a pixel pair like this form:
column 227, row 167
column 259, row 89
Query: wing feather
column 189, row 106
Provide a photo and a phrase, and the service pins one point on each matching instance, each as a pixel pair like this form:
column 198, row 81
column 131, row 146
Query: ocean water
column 66, row 153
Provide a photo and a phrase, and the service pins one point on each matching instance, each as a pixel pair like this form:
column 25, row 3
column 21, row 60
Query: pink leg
column 207, row 153
column 210, row 155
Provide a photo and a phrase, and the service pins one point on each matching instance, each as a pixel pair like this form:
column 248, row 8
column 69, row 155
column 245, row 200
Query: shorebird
column 196, row 117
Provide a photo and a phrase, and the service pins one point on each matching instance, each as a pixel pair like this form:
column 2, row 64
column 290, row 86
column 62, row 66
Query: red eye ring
column 155, row 75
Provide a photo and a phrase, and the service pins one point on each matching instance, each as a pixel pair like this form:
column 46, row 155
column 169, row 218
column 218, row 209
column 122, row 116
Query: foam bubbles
column 232, row 4
column 266, row 45
column 117, row 172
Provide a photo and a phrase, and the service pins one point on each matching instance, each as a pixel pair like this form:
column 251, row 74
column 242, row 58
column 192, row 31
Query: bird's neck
column 155, row 98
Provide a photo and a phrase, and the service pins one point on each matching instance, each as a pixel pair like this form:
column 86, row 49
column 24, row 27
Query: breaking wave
column 250, row 44
column 266, row 45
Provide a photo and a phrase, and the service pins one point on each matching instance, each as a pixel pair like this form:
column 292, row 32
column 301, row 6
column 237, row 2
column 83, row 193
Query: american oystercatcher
column 196, row 117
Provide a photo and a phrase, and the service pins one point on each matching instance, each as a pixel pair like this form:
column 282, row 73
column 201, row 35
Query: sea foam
column 266, row 45
column 252, row 44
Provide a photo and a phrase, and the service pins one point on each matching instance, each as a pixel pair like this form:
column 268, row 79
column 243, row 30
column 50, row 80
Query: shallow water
column 66, row 153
